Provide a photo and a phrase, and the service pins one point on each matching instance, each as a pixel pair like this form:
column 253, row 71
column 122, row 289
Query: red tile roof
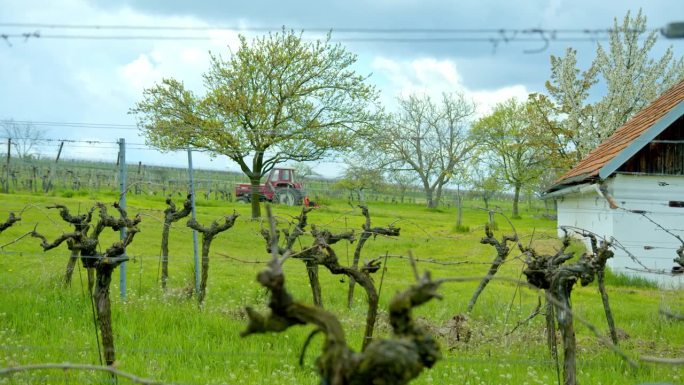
column 622, row 137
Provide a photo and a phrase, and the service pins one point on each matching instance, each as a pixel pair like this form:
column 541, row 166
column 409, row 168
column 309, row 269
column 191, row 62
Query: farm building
column 630, row 186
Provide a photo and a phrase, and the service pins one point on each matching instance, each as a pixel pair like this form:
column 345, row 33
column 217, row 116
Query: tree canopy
column 426, row 138
column 626, row 71
column 275, row 99
column 508, row 143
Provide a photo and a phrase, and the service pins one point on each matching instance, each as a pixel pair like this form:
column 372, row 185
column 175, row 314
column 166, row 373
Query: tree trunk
column 256, row 195
column 459, row 208
column 91, row 278
column 551, row 326
column 516, row 200
column 438, row 195
column 312, row 271
column 208, row 234
column 355, row 265
column 70, row 267
column 565, row 324
column 104, row 310
column 429, row 200
column 490, row 274
column 165, row 254
column 606, row 305
column 206, row 243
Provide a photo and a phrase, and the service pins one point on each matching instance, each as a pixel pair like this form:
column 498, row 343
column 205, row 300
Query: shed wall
column 653, row 247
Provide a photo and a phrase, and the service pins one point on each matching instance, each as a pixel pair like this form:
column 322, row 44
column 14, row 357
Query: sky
column 56, row 79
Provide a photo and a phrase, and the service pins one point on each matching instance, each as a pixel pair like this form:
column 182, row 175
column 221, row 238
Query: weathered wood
column 99, row 265
column 394, row 361
column 564, row 278
column 310, row 263
column 549, row 273
column 171, row 214
column 105, row 265
column 208, row 234
column 328, row 258
column 367, row 232
column 502, row 252
column 73, row 258
column 538, row 270
column 320, row 253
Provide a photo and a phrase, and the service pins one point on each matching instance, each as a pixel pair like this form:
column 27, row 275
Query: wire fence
column 68, row 167
column 52, row 174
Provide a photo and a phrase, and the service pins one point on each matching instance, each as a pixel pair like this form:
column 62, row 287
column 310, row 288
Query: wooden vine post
column 368, row 231
column 171, row 214
column 502, row 252
column 390, row 361
column 208, row 234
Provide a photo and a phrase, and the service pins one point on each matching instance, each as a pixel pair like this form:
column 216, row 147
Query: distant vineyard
column 80, row 177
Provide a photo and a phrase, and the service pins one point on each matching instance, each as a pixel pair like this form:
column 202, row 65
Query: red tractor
column 280, row 187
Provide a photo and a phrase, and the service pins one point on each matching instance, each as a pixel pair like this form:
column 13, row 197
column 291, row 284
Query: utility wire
column 489, row 40
column 357, row 30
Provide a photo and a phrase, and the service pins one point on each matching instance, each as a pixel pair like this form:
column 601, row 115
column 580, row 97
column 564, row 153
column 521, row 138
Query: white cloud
column 433, row 77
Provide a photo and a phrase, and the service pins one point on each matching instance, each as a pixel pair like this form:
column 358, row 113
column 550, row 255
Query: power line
column 111, row 126
column 489, row 40
column 355, row 30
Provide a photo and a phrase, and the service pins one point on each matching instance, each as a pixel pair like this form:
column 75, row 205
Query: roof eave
column 658, row 127
column 570, row 182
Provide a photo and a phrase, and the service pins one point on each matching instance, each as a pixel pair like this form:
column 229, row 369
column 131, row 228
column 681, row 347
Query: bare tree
column 424, row 137
column 25, row 137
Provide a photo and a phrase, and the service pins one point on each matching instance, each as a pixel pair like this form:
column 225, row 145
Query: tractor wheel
column 286, row 196
column 242, row 200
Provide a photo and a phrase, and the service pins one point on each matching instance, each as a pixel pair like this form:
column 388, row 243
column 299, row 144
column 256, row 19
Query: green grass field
column 165, row 336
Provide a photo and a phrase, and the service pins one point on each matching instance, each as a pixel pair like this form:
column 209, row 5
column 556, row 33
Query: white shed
column 631, row 189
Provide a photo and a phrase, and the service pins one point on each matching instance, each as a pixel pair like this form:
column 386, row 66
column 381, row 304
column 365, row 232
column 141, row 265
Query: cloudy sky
column 68, row 76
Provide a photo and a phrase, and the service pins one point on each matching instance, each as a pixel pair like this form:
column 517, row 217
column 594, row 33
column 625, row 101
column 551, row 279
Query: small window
column 285, row 175
column 676, row 204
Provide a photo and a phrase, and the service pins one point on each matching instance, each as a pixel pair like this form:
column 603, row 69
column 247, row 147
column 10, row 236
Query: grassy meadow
column 167, row 337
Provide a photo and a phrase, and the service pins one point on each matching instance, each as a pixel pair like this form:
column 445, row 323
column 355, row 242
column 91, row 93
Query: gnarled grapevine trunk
column 171, row 214
column 391, row 361
column 368, row 231
column 99, row 266
column 208, row 234
column 502, row 251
